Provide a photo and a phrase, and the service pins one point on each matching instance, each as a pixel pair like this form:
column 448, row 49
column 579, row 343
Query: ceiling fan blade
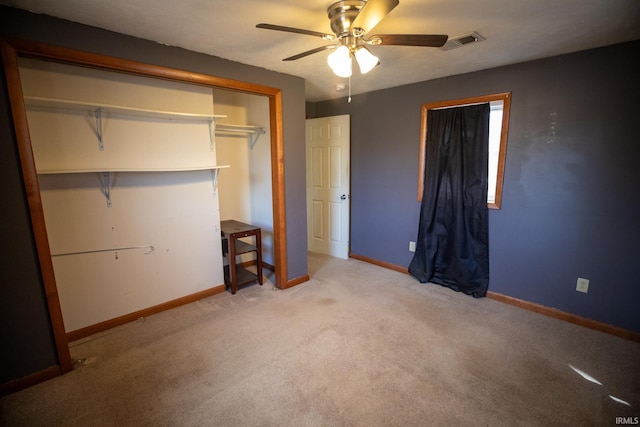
column 309, row 52
column 296, row 30
column 372, row 13
column 429, row 40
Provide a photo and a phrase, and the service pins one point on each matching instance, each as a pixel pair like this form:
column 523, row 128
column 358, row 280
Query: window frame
column 505, row 97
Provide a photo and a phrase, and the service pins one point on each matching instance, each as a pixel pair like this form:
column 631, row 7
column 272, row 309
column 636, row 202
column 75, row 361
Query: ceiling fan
column 351, row 20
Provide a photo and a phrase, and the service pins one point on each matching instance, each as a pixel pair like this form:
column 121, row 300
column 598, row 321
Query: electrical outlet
column 412, row 246
column 582, row 285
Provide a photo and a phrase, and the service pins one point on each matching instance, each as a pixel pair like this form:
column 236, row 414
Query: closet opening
column 266, row 201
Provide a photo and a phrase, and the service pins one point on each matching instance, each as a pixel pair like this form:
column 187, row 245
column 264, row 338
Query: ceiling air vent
column 462, row 40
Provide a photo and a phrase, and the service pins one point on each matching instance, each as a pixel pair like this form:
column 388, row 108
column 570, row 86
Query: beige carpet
column 358, row 345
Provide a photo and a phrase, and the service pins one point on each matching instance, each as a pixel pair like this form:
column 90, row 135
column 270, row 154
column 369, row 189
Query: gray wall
column 27, row 344
column 571, row 207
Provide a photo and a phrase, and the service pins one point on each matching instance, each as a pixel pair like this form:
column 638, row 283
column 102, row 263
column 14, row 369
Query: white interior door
column 328, row 147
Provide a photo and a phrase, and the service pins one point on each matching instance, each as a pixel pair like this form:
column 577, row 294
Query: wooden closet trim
column 12, row 49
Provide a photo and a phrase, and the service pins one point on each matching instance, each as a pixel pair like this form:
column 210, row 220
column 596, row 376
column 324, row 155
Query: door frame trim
column 12, row 49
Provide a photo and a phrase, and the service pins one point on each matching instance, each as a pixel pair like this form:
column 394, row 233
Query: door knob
column 344, row 197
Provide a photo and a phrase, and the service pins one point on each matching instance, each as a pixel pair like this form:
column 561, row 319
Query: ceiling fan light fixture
column 366, row 60
column 340, row 61
column 351, row 21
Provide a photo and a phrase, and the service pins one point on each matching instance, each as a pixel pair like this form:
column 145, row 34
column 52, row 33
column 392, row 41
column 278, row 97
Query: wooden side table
column 235, row 274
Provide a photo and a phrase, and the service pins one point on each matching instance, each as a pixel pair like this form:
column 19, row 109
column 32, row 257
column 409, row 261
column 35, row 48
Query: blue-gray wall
column 571, row 207
column 25, row 331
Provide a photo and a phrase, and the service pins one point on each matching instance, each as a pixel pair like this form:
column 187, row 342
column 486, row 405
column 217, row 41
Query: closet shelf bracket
column 212, row 132
column 106, row 187
column 214, row 181
column 254, row 138
column 98, row 114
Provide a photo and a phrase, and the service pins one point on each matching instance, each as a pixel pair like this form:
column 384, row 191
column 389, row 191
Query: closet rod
column 239, row 128
column 148, row 247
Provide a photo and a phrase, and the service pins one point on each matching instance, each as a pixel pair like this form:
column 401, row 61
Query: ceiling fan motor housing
column 342, row 14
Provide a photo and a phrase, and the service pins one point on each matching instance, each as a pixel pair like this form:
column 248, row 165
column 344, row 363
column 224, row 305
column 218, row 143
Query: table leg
column 233, row 280
column 259, row 256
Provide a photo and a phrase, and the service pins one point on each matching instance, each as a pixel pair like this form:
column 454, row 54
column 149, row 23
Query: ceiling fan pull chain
column 349, row 100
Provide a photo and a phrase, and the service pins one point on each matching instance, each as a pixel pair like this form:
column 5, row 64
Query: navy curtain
column 452, row 248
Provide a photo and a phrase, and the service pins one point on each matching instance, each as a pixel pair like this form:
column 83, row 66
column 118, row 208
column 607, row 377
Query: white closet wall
column 245, row 191
column 134, row 223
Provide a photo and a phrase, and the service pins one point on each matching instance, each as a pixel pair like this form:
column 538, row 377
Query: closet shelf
column 133, row 170
column 99, row 109
column 36, row 101
column 107, row 183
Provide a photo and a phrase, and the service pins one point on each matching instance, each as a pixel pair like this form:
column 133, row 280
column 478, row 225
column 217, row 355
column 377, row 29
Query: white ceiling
column 515, row 31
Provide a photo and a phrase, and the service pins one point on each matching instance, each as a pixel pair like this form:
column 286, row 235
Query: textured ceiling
column 515, row 31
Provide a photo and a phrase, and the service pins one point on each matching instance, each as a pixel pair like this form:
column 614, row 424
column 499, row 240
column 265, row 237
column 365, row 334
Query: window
column 498, row 130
